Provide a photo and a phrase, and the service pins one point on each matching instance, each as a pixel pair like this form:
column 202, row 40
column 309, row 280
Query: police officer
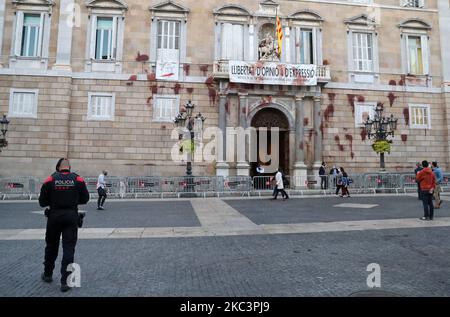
column 62, row 193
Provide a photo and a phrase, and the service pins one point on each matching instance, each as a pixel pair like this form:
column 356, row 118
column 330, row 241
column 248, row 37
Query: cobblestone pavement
column 299, row 247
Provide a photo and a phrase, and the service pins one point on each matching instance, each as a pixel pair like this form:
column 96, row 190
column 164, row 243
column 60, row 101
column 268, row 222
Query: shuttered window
column 23, row 104
column 101, row 106
column 362, row 52
column 232, row 46
column 165, row 108
column 420, row 116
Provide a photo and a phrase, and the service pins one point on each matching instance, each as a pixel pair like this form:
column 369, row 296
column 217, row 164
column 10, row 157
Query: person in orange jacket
column 427, row 183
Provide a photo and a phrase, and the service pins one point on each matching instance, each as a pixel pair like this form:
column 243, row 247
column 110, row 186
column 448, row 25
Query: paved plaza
column 316, row 246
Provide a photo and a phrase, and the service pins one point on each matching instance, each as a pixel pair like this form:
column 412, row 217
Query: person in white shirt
column 280, row 185
column 101, row 190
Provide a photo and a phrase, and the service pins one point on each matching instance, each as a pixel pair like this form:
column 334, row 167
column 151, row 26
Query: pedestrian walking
column 101, row 190
column 417, row 170
column 427, row 182
column 333, row 174
column 437, row 191
column 62, row 193
column 345, row 182
column 323, row 176
column 280, row 186
column 338, row 178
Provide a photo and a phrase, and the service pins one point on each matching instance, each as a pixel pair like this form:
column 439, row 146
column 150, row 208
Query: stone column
column 243, row 166
column 317, row 139
column 2, row 24
column 300, row 169
column 64, row 44
column 222, row 167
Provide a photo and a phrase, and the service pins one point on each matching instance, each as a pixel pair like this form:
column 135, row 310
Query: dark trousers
column 427, row 200
column 101, row 196
column 418, row 190
column 345, row 191
column 338, row 187
column 323, row 182
column 66, row 224
column 283, row 193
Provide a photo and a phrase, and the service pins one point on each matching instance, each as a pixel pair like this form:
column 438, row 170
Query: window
column 306, row 46
column 23, row 103
column 105, row 35
column 413, row 3
column 363, row 111
column 168, row 41
column 101, row 106
column 104, row 39
column 415, row 55
column 362, row 52
column 165, row 108
column 31, row 35
column 419, row 116
column 232, row 43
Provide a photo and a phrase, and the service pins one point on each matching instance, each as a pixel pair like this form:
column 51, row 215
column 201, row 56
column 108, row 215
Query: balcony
column 220, row 71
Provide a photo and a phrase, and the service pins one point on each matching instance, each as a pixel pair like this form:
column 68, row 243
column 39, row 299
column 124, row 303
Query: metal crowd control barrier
column 383, row 182
column 24, row 187
column 152, row 186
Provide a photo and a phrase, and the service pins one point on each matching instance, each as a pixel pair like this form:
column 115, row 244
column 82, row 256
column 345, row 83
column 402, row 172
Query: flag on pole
column 279, row 36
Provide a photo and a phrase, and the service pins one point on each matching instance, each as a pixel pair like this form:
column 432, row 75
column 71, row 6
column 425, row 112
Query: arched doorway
column 271, row 118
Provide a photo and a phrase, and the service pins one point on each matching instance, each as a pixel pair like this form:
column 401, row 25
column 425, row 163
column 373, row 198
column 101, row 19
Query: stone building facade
column 100, row 81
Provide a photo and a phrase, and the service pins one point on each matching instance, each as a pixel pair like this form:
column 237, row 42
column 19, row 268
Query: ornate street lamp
column 4, row 128
column 180, row 121
column 380, row 128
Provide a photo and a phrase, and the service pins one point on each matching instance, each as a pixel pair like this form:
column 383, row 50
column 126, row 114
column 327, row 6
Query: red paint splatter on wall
column 391, row 98
column 341, row 148
column 363, row 134
column 352, row 155
column 204, row 69
column 349, row 138
column 149, row 100
column 311, row 133
column 133, row 78
column 186, row 69
column 329, row 111
column 209, row 81
column 227, row 107
column 326, row 62
column 404, row 137
column 392, row 82
column 321, row 129
column 190, row 90
column 154, row 89
column 336, row 138
column 141, row 58
column 301, row 146
column 351, row 102
column 151, row 77
column 406, row 115
column 380, row 104
column 305, row 121
column 176, row 88
column 331, row 96
column 402, row 80
column 361, row 98
column 212, row 92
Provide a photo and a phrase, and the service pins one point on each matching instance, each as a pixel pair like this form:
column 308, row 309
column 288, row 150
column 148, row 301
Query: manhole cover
column 374, row 293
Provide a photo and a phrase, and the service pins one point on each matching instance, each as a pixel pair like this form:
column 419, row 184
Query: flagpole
column 276, row 33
